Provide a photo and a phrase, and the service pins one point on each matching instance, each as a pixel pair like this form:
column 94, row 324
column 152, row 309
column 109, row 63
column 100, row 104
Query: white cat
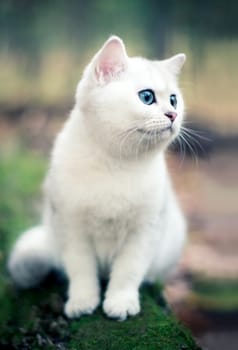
column 110, row 210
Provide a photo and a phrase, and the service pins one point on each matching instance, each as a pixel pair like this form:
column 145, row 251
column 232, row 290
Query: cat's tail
column 32, row 257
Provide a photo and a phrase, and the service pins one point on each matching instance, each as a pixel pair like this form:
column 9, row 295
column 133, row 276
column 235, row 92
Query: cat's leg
column 128, row 271
column 80, row 265
column 170, row 245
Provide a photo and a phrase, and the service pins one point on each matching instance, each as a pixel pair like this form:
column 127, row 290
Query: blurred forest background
column 44, row 46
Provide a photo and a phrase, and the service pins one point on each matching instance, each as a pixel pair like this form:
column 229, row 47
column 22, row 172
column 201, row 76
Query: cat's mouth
column 154, row 132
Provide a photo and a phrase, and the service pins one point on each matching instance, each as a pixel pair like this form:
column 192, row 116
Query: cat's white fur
column 110, row 209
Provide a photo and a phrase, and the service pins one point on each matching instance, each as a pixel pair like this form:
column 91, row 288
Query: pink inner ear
column 110, row 67
column 111, row 60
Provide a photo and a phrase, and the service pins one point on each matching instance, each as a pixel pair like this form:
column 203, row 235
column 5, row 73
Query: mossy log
column 33, row 319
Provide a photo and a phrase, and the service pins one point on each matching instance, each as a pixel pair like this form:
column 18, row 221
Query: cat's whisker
column 126, row 134
column 202, row 134
column 194, row 140
column 139, row 144
column 197, row 137
column 199, row 134
column 154, row 137
column 183, row 148
column 190, row 147
column 193, row 136
column 149, row 140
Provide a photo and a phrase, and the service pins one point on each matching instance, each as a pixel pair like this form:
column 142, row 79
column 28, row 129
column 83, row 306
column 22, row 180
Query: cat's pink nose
column 171, row 115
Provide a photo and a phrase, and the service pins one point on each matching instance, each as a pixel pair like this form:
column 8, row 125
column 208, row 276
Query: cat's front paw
column 79, row 305
column 122, row 304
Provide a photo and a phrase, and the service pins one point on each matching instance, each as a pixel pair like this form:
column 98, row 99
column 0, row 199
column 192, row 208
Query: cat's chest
column 110, row 221
column 108, row 235
column 108, row 202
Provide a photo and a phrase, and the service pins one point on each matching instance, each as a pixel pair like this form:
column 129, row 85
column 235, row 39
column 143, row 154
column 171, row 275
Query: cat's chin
column 155, row 132
column 156, row 135
column 158, row 138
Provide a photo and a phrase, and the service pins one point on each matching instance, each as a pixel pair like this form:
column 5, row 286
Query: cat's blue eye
column 147, row 96
column 173, row 100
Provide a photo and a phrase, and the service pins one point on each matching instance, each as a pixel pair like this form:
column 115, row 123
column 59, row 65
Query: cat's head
column 130, row 105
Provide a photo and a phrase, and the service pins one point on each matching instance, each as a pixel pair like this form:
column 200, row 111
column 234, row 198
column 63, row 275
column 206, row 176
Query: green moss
column 33, row 320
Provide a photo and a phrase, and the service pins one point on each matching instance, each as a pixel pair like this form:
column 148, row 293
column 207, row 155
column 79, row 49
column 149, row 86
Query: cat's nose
column 171, row 115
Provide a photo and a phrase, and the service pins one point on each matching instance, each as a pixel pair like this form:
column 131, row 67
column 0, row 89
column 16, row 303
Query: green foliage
column 215, row 294
column 20, row 176
column 73, row 23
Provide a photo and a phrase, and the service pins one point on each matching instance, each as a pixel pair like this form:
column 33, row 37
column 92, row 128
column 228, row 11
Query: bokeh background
column 44, row 46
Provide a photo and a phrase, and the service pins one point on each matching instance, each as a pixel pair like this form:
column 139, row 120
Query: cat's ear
column 111, row 60
column 175, row 63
